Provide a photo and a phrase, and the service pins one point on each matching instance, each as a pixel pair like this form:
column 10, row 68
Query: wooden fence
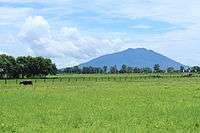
column 97, row 78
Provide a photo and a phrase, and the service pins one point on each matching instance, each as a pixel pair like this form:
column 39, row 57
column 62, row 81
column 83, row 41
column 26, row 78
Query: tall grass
column 148, row 105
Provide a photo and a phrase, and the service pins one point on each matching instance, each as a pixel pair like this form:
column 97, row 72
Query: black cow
column 26, row 82
column 188, row 75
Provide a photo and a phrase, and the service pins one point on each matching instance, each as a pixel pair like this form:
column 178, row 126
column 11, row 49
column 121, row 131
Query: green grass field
column 144, row 105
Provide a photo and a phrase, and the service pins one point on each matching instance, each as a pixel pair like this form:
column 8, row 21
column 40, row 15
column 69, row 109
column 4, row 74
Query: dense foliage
column 28, row 66
column 128, row 69
column 11, row 67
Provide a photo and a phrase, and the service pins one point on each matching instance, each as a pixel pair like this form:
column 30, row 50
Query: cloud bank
column 68, row 44
column 71, row 31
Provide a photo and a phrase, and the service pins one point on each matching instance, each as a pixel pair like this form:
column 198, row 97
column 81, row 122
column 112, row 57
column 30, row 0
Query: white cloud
column 37, row 34
column 52, row 2
column 168, row 10
column 1, row 52
column 34, row 28
column 25, row 1
column 140, row 27
column 69, row 45
column 13, row 16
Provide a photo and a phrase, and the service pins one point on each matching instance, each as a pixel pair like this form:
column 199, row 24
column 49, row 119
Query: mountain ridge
column 139, row 57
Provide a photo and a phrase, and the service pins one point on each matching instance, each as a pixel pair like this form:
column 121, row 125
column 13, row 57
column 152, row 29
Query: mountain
column 139, row 57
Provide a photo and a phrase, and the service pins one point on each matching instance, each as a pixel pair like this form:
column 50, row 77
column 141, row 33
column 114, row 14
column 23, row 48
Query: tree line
column 25, row 66
column 28, row 66
column 127, row 69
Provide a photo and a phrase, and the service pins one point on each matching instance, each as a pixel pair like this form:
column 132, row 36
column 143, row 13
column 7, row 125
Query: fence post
column 5, row 80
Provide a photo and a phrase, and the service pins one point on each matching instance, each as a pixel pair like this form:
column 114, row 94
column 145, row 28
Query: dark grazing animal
column 26, row 82
column 188, row 75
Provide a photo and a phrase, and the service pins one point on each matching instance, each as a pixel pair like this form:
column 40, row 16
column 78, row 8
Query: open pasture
column 126, row 105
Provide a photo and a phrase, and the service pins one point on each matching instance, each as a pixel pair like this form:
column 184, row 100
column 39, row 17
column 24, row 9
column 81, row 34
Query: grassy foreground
column 153, row 105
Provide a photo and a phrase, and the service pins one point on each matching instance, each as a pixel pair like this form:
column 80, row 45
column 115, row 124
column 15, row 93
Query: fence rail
column 117, row 78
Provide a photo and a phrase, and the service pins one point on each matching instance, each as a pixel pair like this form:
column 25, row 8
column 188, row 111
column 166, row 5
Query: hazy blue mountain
column 139, row 57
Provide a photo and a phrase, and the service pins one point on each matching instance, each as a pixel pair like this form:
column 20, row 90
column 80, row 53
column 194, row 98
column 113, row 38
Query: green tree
column 129, row 70
column 195, row 69
column 156, row 68
column 170, row 70
column 147, row 70
column 105, row 69
column 113, row 69
column 182, row 69
column 8, row 66
column 124, row 68
column 137, row 70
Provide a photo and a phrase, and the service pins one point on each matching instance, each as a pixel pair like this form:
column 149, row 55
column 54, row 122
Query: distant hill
column 139, row 57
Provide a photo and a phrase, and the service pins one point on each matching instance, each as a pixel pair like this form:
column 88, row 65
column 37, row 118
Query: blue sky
column 74, row 31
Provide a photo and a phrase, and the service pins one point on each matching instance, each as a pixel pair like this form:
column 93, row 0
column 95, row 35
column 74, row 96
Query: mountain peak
column 136, row 49
column 139, row 57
